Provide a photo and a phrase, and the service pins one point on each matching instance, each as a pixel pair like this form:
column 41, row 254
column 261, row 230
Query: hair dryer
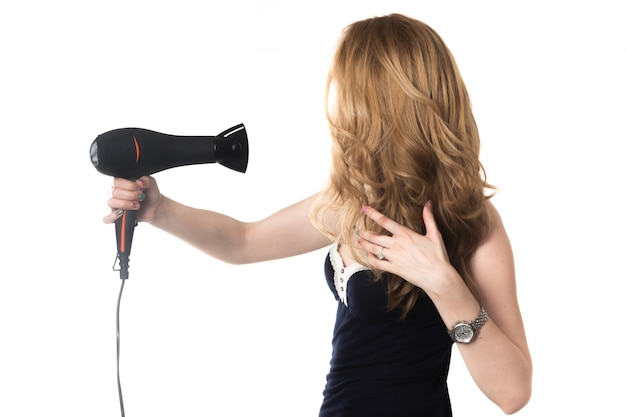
column 133, row 152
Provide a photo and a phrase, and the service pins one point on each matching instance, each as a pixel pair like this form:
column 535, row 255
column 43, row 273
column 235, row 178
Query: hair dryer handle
column 124, row 230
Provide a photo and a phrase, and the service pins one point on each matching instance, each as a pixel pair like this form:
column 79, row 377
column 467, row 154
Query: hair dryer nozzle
column 235, row 149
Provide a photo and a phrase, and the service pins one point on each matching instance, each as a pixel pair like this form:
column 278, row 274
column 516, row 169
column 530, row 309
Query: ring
column 380, row 254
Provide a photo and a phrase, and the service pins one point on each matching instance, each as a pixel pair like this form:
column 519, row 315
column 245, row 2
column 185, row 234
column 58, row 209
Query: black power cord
column 119, row 385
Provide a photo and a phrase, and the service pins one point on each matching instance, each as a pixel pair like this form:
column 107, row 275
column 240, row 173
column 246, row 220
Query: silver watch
column 466, row 331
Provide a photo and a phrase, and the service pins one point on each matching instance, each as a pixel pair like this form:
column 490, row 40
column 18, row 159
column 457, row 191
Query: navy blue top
column 381, row 365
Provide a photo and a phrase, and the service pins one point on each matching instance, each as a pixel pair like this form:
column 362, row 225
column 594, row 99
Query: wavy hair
column 402, row 133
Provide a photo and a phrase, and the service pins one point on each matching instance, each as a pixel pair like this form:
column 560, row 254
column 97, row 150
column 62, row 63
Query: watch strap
column 480, row 320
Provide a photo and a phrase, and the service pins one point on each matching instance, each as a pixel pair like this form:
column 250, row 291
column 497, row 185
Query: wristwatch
column 466, row 331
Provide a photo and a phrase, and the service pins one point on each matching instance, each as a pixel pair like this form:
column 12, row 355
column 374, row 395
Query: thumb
column 432, row 231
column 144, row 183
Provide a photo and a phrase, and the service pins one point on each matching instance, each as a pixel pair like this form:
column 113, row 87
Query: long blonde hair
column 403, row 133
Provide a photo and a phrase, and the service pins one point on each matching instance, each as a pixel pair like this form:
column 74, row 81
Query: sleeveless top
column 382, row 366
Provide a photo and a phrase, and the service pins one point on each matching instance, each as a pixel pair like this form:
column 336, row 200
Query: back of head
column 385, row 64
column 403, row 133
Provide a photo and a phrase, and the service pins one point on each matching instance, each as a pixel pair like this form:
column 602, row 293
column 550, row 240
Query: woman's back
column 383, row 365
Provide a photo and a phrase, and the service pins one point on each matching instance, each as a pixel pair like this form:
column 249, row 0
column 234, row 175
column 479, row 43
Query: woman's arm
column 285, row 233
column 499, row 359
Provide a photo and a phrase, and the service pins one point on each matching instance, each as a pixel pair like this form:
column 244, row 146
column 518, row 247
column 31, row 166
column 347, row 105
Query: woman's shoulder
column 494, row 220
column 493, row 257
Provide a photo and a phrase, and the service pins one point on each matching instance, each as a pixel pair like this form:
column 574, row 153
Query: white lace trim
column 342, row 273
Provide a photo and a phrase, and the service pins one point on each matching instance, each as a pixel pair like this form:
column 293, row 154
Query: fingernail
column 119, row 212
column 429, row 204
column 358, row 232
column 142, row 196
column 365, row 209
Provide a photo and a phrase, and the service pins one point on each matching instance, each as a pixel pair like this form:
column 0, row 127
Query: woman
column 409, row 225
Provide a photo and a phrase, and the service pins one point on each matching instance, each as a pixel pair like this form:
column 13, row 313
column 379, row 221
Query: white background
column 203, row 338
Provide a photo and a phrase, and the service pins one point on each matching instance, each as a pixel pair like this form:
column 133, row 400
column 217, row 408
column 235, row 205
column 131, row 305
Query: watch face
column 463, row 333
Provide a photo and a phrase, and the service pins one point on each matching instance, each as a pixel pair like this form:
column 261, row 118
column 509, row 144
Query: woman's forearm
column 215, row 234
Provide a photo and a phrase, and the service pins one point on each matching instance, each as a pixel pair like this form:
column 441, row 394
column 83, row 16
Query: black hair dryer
column 133, row 152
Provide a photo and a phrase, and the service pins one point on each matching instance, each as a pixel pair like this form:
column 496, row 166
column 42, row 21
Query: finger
column 123, row 183
column 144, row 183
column 123, row 204
column 124, row 194
column 376, row 239
column 373, row 249
column 125, row 191
column 382, row 220
column 432, row 230
column 113, row 216
column 376, row 259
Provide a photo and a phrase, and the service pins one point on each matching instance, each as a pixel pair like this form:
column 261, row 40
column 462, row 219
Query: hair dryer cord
column 117, row 328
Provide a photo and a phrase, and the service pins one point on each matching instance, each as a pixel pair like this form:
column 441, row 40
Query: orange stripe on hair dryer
column 133, row 152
